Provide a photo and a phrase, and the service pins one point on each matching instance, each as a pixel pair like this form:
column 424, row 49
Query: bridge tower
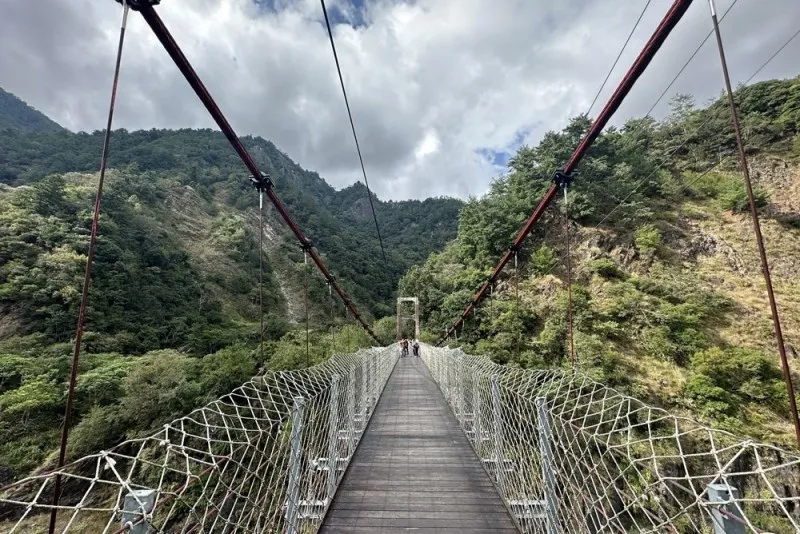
column 400, row 316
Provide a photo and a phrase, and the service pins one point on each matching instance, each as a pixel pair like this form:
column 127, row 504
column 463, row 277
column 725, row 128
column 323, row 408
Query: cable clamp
column 562, row 179
column 306, row 246
column 137, row 5
column 262, row 183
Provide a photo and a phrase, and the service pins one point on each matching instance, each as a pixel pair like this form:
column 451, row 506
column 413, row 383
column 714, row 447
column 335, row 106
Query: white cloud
column 431, row 82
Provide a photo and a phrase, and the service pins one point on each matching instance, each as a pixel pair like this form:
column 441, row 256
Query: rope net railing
column 568, row 454
column 266, row 457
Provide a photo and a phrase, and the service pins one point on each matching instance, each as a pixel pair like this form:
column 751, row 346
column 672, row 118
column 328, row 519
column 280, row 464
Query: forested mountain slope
column 669, row 301
column 16, row 114
column 173, row 311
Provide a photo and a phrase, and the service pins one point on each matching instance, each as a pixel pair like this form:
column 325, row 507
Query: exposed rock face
column 705, row 244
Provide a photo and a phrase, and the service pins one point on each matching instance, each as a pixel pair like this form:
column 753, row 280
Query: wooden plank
column 414, row 469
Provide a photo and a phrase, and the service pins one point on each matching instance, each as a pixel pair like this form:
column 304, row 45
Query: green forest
column 668, row 300
column 173, row 318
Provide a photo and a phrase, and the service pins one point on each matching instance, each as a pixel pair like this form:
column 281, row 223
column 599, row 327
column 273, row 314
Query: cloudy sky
column 442, row 91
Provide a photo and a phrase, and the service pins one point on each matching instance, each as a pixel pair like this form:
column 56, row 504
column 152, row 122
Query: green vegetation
column 667, row 298
column 173, row 318
column 16, row 114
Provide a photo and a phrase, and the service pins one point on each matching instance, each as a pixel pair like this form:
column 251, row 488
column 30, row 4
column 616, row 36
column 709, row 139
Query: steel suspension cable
column 621, row 51
column 87, row 276
column 773, row 56
column 353, row 127
column 259, row 179
column 688, row 61
column 670, row 20
column 762, row 251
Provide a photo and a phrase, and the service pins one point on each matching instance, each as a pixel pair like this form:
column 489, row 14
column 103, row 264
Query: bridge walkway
column 414, row 470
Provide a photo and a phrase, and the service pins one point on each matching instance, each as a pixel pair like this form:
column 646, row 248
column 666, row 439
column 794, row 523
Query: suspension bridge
column 445, row 442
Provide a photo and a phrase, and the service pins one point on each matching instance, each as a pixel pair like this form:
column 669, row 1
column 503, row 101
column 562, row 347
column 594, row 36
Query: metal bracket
column 262, row 183
column 562, row 179
column 137, row 5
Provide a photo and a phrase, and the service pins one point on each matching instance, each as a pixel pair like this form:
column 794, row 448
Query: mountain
column 668, row 298
column 16, row 114
column 174, row 301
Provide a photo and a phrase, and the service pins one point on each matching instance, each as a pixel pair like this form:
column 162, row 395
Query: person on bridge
column 416, row 348
column 403, row 348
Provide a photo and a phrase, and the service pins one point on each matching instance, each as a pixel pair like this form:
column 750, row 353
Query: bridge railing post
column 725, row 522
column 373, row 382
column 460, row 390
column 498, row 436
column 333, row 438
column 293, row 490
column 546, row 458
column 477, row 430
column 351, row 412
column 364, row 389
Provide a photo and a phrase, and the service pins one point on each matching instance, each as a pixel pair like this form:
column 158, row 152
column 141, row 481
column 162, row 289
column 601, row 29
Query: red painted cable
column 670, row 20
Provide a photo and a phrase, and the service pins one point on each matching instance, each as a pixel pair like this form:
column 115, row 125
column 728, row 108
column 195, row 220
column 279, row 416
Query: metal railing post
column 477, row 431
column 133, row 510
column 333, row 438
column 373, row 381
column 725, row 523
column 351, row 413
column 460, row 389
column 546, row 457
column 293, row 491
column 364, row 391
column 498, row 436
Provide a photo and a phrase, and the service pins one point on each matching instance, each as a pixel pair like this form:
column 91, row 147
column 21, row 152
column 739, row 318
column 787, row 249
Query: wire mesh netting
column 568, row 454
column 265, row 458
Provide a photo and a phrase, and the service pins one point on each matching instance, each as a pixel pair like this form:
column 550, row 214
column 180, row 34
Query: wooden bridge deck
column 414, row 469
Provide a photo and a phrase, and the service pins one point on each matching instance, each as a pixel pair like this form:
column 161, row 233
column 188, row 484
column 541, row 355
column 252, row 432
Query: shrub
column 711, row 399
column 736, row 199
column 605, row 267
column 647, row 238
column 746, row 373
column 543, row 260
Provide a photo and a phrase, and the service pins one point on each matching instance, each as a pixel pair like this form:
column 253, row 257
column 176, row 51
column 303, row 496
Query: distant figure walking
column 416, row 348
column 404, row 348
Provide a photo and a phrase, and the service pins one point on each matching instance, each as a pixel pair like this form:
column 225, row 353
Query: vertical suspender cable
column 569, row 280
column 347, row 339
column 305, row 299
column 261, row 279
column 333, row 319
column 73, row 375
column 787, row 374
column 516, row 301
